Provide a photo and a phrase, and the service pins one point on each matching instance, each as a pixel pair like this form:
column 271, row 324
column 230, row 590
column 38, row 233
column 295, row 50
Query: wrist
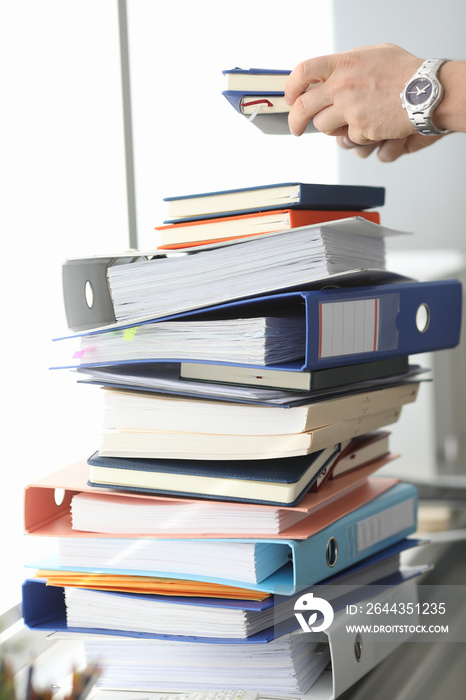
column 422, row 94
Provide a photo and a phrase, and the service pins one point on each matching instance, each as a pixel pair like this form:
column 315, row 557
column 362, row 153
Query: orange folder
column 148, row 585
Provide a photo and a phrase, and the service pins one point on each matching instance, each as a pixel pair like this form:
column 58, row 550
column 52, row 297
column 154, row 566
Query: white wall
column 63, row 187
column 62, row 194
column 424, row 195
column 187, row 137
column 425, row 190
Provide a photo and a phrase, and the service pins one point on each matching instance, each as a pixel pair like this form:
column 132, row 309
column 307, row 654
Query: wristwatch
column 421, row 95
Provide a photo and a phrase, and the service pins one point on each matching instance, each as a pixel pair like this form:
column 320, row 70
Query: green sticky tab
column 129, row 333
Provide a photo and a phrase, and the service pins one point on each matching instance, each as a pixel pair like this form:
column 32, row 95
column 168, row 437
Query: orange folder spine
column 297, row 218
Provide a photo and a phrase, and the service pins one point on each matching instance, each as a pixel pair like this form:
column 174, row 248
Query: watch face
column 418, row 91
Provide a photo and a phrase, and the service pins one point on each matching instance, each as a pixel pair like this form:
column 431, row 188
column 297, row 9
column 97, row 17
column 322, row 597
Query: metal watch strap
column 422, row 122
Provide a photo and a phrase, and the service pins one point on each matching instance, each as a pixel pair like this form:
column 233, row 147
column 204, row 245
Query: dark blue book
column 286, row 195
column 266, row 110
column 280, row 481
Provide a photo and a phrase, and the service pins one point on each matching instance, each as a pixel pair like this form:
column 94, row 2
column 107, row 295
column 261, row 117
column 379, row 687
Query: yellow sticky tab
column 129, row 333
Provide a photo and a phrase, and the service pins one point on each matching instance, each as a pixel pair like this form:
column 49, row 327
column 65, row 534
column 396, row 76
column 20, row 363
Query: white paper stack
column 151, row 288
column 287, row 665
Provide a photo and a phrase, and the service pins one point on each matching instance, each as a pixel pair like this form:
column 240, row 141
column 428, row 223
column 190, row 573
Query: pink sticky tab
column 78, row 354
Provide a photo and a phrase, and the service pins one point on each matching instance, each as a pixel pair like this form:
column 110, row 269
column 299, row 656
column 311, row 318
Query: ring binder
column 79, row 275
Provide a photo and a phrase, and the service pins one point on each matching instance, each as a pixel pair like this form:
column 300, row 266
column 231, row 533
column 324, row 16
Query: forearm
column 451, row 112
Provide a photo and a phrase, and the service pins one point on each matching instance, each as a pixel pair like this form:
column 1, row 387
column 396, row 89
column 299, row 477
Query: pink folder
column 44, row 517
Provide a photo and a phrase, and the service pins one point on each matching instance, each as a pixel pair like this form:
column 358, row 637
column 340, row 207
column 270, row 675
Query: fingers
column 362, row 151
column 387, row 151
column 329, row 121
column 306, row 106
column 417, row 141
column 314, row 70
column 391, row 150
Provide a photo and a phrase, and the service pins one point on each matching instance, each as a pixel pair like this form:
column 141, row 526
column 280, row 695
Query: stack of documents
column 256, row 265
column 248, row 384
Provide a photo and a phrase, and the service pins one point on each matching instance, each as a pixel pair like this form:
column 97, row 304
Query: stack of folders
column 236, row 480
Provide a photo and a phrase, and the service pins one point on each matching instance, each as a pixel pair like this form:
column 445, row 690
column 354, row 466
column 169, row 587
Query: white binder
column 354, row 655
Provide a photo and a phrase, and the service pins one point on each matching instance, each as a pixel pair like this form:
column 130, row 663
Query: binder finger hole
column 331, row 552
column 422, row 318
column 59, row 496
column 358, row 645
column 89, row 294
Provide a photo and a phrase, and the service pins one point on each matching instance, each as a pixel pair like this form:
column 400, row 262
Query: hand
column 388, row 151
column 355, row 94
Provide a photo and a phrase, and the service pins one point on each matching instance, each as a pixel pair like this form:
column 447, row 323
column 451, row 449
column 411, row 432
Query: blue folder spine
column 393, row 309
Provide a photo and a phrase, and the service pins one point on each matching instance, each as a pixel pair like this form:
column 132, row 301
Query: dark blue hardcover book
column 287, row 195
column 280, row 481
column 266, row 110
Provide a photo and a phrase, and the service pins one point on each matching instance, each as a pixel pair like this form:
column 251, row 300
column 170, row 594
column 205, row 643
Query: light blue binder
column 378, row 524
